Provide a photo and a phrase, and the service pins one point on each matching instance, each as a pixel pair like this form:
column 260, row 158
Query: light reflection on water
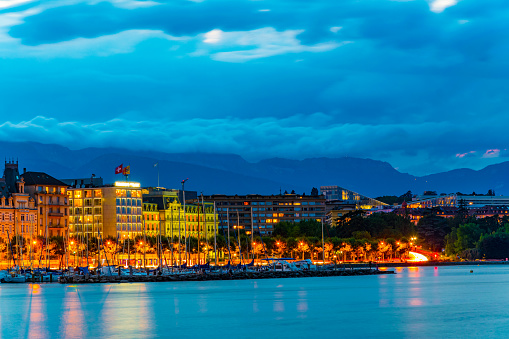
column 417, row 302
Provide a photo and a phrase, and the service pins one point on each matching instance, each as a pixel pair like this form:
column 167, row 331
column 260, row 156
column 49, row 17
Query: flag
column 155, row 165
column 119, row 169
column 126, row 170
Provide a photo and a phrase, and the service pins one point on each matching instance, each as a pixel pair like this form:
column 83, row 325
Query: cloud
column 13, row 3
column 462, row 155
column 491, row 153
column 127, row 4
column 439, row 6
column 293, row 137
column 259, row 43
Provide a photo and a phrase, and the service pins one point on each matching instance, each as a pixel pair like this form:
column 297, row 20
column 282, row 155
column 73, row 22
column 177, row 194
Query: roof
column 41, row 178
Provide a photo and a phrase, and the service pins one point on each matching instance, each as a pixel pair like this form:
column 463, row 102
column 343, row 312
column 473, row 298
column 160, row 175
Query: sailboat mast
column 215, row 240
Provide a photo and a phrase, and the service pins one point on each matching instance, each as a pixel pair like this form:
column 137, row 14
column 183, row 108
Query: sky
column 420, row 84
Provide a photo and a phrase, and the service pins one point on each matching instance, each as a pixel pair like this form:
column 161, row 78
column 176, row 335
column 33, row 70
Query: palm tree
column 57, row 247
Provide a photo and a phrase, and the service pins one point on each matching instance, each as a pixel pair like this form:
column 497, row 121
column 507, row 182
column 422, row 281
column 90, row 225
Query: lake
column 424, row 302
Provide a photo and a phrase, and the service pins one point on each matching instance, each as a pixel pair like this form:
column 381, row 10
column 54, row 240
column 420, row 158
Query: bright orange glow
column 108, row 242
column 72, row 242
column 417, row 257
column 141, row 243
column 35, row 242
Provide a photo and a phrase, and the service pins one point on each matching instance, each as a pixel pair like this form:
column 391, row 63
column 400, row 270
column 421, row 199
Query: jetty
column 225, row 275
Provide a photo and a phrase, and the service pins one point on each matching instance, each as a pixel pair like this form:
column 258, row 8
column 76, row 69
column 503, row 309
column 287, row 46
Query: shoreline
column 428, row 263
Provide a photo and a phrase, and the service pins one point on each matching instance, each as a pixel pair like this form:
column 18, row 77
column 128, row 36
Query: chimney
column 24, row 170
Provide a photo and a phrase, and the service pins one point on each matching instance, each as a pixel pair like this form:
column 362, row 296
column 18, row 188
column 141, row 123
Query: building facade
column 259, row 213
column 345, row 196
column 178, row 219
column 107, row 211
column 50, row 196
column 460, row 200
column 18, row 213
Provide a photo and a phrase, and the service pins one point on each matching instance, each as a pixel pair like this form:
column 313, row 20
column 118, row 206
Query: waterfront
column 415, row 302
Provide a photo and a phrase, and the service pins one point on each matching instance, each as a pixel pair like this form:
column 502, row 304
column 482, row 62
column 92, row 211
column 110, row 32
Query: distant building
column 343, row 195
column 18, row 213
column 261, row 212
column 337, row 210
column 340, row 201
column 459, row 200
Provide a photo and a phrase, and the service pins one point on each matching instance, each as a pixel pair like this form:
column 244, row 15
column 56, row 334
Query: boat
column 305, row 265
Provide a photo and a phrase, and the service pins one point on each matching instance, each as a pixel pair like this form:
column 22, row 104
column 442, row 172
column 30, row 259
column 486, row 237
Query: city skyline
column 419, row 84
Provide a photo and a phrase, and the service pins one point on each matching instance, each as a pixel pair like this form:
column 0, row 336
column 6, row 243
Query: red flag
column 118, row 170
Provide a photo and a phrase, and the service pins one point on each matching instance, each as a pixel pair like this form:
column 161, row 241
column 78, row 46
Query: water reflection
column 302, row 303
column 72, row 319
column 37, row 314
column 413, row 303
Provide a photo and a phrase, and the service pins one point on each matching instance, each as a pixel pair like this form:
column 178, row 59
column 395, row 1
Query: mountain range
column 231, row 174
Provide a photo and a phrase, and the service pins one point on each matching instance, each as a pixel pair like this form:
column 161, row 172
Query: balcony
column 55, row 226
column 55, row 214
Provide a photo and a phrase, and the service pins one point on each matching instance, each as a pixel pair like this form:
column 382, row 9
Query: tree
column 467, row 236
column 432, row 230
column 58, row 248
column 314, row 192
column 494, row 246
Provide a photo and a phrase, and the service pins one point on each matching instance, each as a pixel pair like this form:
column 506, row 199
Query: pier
column 225, row 275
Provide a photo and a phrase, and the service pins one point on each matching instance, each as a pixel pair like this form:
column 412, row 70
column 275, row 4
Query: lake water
column 415, row 303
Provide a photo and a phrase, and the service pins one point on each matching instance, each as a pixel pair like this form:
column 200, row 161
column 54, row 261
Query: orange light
column 35, row 242
column 108, row 242
column 72, row 242
column 141, row 243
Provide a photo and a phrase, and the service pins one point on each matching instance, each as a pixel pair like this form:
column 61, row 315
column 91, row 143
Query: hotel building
column 106, row 211
column 261, row 212
column 198, row 217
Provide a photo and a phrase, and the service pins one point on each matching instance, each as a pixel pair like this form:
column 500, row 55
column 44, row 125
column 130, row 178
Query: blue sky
column 420, row 84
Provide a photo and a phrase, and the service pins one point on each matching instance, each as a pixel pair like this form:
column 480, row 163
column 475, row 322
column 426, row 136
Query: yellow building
column 106, row 211
column 151, row 217
column 198, row 218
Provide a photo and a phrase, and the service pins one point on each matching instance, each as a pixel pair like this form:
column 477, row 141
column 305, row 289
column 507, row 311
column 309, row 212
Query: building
column 196, row 219
column 151, row 217
column 261, row 212
column 459, row 200
column 340, row 201
column 106, row 211
column 336, row 193
column 50, row 196
column 18, row 213
column 336, row 211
